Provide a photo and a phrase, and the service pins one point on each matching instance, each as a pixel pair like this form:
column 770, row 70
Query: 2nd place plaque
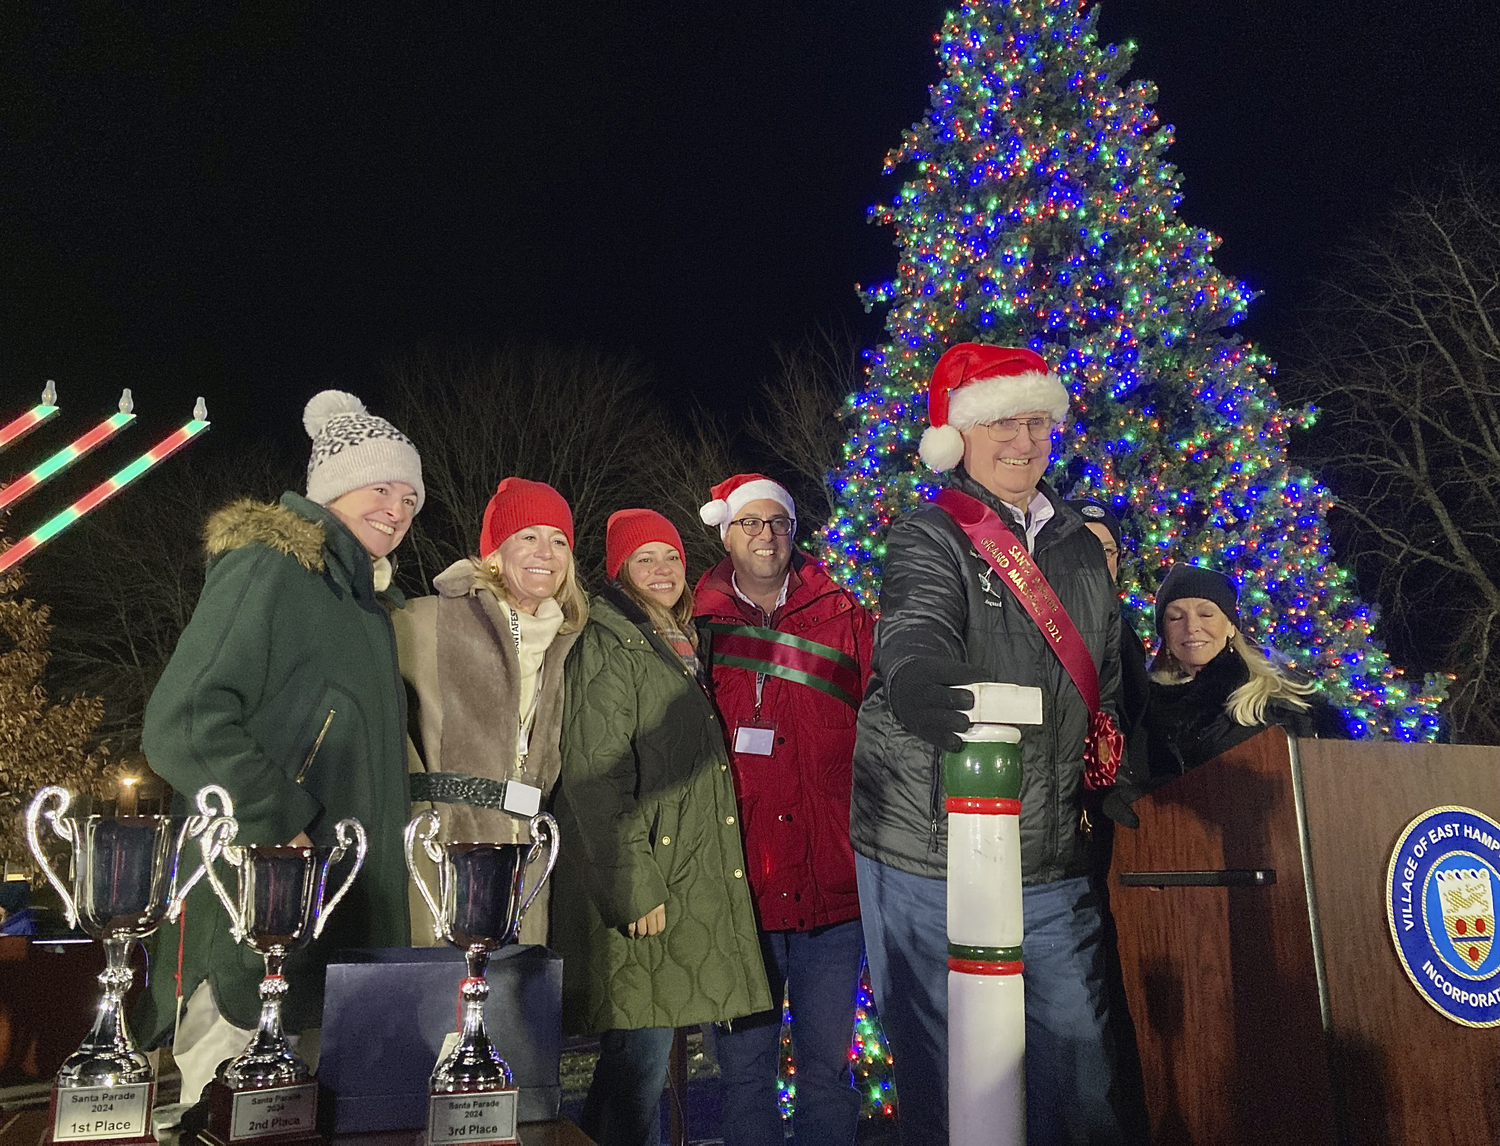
column 289, row 1110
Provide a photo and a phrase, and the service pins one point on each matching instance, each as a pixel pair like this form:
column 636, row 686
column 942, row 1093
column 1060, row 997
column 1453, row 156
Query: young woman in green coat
column 284, row 690
column 651, row 911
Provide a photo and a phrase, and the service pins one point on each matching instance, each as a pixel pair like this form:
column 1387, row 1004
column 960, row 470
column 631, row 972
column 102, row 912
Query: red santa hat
column 733, row 494
column 974, row 383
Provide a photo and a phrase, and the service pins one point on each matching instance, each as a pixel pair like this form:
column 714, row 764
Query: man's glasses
column 1006, row 429
column 780, row 526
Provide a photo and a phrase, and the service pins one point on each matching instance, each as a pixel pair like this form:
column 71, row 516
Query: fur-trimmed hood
column 250, row 522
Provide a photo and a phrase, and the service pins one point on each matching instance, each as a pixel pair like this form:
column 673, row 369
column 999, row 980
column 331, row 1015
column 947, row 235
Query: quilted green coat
column 647, row 811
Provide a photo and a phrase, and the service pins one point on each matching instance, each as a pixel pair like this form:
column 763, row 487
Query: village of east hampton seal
column 1440, row 894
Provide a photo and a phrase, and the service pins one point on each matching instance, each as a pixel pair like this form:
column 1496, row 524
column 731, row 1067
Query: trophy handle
column 215, row 842
column 192, row 828
column 540, row 820
column 61, row 828
column 424, row 827
column 342, row 831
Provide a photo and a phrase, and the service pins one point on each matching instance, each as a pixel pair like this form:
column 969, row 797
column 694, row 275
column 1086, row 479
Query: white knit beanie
column 352, row 448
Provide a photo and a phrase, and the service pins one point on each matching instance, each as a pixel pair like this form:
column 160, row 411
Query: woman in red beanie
column 484, row 657
column 652, row 915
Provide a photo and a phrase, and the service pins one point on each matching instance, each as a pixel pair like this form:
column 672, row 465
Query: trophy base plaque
column 268, row 1116
column 472, row 1117
column 113, row 1115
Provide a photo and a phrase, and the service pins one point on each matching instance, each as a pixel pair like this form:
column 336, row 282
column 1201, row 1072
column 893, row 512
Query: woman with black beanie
column 1211, row 688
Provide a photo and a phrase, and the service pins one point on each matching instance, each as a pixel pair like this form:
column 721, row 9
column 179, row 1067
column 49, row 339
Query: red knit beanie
column 629, row 529
column 518, row 503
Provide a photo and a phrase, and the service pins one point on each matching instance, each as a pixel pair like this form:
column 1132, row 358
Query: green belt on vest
column 792, row 658
column 456, row 788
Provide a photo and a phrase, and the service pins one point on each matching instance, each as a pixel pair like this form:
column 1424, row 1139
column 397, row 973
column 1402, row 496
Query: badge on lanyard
column 755, row 739
column 521, row 798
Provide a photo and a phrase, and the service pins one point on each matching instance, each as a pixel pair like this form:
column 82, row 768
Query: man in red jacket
column 789, row 656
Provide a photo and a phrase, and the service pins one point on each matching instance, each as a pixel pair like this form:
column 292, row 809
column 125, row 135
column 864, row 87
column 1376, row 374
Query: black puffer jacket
column 938, row 599
column 1187, row 724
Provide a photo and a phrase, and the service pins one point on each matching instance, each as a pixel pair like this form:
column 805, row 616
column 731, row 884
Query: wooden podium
column 1268, row 1001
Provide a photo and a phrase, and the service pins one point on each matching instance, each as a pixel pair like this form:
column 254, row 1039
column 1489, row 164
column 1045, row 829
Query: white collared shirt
column 780, row 597
column 1038, row 513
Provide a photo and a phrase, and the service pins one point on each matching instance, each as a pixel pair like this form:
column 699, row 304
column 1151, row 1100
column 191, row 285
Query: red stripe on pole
column 978, row 967
column 982, row 806
column 17, row 489
column 17, row 552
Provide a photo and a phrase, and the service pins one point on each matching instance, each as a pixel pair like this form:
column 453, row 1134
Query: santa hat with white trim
column 974, row 383
column 733, row 494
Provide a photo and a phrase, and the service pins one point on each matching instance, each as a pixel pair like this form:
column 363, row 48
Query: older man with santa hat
column 949, row 617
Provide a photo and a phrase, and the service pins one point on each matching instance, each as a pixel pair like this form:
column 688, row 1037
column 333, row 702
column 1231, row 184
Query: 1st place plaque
column 103, row 1113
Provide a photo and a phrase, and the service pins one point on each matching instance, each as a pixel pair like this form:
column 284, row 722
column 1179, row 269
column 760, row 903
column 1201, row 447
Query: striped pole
column 17, row 428
column 986, row 995
column 69, row 454
column 105, row 490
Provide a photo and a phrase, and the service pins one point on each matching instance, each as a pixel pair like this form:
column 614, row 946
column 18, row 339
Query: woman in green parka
column 284, row 690
column 650, row 908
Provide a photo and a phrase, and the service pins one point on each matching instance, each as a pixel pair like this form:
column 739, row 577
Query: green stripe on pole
column 985, row 954
column 983, row 769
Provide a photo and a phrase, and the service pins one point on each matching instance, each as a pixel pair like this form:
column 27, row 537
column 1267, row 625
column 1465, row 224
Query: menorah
column 17, row 428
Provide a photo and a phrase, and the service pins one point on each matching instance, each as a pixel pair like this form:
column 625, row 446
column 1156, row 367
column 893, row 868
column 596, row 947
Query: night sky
column 252, row 201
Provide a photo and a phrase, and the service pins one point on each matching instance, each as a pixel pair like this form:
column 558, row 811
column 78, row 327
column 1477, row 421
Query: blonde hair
column 1246, row 705
column 679, row 618
column 570, row 596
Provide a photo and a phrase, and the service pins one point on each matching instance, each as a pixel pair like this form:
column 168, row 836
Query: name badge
column 755, row 739
column 521, row 799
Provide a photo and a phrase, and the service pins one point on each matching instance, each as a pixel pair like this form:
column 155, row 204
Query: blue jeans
column 623, row 1107
column 821, row 970
column 1069, row 1062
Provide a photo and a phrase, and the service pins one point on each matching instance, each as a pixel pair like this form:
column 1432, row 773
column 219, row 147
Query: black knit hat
column 1092, row 511
column 1195, row 581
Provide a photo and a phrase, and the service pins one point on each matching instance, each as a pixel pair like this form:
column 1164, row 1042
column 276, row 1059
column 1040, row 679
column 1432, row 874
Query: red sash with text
column 1003, row 553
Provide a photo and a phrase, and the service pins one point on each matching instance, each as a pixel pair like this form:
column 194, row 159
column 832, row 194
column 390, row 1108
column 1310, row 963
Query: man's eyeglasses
column 1006, row 429
column 780, row 526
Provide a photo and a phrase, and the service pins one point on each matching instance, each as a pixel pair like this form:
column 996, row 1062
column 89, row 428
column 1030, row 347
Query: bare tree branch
column 801, row 425
column 1403, row 354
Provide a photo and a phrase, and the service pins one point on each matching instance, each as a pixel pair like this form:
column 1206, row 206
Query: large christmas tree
column 1039, row 211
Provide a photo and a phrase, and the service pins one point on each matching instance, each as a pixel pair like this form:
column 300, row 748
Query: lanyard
column 528, row 720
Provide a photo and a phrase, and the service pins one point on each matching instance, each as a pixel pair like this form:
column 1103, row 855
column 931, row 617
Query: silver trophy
column 125, row 882
column 479, row 905
column 281, row 904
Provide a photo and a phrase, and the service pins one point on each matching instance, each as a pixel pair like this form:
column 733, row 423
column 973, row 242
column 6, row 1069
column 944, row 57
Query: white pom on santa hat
column 733, row 494
column 321, row 407
column 942, row 448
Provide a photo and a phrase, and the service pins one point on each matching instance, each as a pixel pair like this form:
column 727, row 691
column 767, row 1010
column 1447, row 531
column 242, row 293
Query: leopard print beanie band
column 352, row 448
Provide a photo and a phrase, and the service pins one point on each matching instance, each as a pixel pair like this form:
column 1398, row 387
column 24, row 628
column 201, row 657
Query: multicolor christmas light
column 870, row 1059
column 69, row 454
column 105, row 489
column 17, row 428
column 1039, row 211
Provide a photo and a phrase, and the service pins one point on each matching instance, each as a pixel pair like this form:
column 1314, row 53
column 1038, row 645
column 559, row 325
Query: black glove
column 925, row 703
column 1117, row 807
